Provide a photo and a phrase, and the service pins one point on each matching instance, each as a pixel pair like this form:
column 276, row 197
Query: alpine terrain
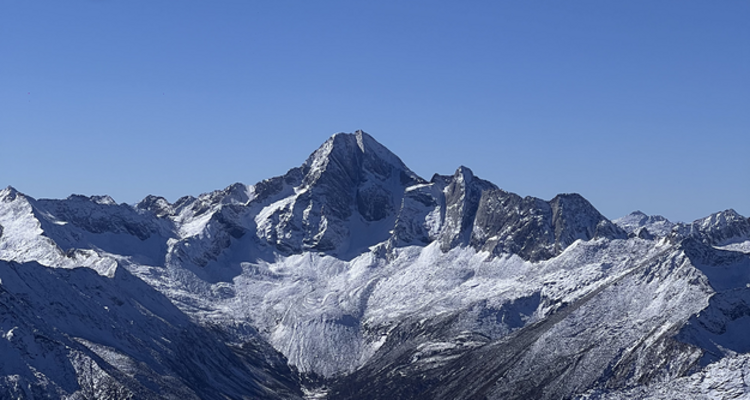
column 351, row 277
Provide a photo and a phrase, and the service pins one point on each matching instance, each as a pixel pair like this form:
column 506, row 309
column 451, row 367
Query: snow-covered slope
column 352, row 277
column 75, row 334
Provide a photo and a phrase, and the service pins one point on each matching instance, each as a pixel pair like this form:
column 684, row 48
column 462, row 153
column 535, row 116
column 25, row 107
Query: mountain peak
column 721, row 227
column 156, row 204
column 9, row 193
column 719, row 218
column 635, row 222
column 353, row 156
column 351, row 179
column 463, row 173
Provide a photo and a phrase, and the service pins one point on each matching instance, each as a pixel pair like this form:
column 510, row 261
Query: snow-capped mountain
column 352, row 277
column 645, row 226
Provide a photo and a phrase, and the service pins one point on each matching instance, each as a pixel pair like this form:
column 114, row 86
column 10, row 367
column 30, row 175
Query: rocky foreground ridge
column 350, row 277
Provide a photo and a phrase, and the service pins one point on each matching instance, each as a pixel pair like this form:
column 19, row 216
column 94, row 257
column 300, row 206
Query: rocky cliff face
column 463, row 210
column 352, row 277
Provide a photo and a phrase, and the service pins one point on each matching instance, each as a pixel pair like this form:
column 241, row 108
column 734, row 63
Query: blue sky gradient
column 635, row 105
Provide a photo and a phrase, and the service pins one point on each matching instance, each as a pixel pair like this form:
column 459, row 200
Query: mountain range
column 351, row 277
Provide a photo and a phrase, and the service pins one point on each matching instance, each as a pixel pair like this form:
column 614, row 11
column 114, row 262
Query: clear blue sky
column 634, row 104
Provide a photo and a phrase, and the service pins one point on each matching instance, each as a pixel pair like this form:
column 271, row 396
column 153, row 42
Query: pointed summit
column 352, row 157
column 573, row 218
column 462, row 197
column 463, row 174
column 9, row 193
column 351, row 180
